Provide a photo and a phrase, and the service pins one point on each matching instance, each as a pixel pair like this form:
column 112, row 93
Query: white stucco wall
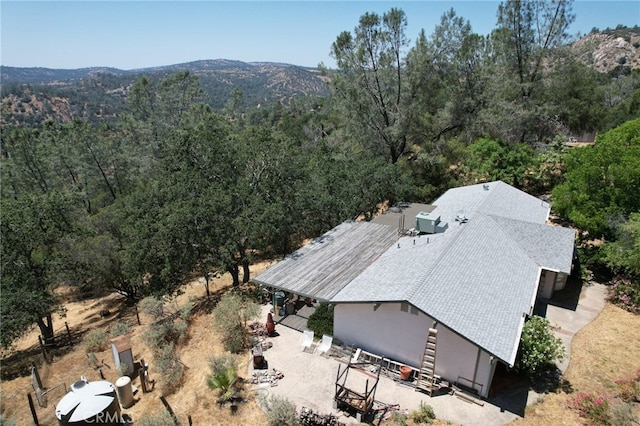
column 551, row 282
column 401, row 336
column 561, row 281
column 547, row 280
column 459, row 360
column 387, row 331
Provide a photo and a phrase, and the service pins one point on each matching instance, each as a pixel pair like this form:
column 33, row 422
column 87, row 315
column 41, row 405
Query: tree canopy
column 601, row 181
column 167, row 186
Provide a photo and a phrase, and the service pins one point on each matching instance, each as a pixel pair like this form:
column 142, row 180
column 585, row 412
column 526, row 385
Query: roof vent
column 460, row 217
column 485, row 186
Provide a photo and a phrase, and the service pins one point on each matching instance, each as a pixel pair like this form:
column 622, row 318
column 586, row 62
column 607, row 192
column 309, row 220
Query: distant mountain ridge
column 31, row 95
column 10, row 74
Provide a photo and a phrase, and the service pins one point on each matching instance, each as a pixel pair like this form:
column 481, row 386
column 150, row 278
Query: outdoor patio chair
column 306, row 340
column 325, row 345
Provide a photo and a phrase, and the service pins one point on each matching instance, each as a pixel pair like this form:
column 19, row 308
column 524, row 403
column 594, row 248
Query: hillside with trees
column 33, row 95
column 132, row 184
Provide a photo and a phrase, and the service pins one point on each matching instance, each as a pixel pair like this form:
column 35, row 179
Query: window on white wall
column 414, row 310
column 404, row 307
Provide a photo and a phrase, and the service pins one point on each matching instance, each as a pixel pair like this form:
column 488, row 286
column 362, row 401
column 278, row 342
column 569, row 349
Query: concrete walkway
column 568, row 320
column 309, row 378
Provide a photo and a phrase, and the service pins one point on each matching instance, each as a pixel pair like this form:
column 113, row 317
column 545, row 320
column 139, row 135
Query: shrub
column 321, row 321
column 158, row 335
column 539, row 348
column 220, row 363
column 592, row 407
column 398, row 419
column 224, row 375
column 123, row 369
column 231, row 315
column 95, row 341
column 625, row 294
column 424, row 414
column 279, row 411
column 152, row 306
column 623, row 415
column 170, row 368
column 119, row 328
column 629, row 389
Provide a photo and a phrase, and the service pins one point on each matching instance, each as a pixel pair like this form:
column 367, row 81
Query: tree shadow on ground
column 510, row 390
column 552, row 381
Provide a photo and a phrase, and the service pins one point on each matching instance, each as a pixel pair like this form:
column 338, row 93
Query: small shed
column 122, row 354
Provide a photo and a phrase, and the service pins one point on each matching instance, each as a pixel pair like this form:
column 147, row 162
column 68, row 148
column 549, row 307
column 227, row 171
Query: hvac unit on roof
column 427, row 222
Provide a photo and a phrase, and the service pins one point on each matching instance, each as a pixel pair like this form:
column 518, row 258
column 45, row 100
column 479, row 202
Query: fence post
column 137, row 314
column 168, row 407
column 44, row 351
column 35, row 376
column 33, row 410
column 143, row 381
column 68, row 334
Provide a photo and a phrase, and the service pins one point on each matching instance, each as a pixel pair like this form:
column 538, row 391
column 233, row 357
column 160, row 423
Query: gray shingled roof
column 478, row 278
column 551, row 247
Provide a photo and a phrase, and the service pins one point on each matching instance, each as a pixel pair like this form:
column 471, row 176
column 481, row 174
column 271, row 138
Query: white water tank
column 124, row 389
column 89, row 403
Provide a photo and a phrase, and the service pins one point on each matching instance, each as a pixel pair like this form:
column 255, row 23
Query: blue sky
column 138, row 34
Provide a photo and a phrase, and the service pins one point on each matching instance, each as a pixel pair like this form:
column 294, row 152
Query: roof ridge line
column 517, row 243
column 445, row 250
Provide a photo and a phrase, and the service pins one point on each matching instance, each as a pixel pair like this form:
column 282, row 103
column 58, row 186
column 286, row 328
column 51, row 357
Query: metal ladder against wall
column 426, row 375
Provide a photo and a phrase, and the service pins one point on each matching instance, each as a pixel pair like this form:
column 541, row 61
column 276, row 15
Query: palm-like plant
column 223, row 380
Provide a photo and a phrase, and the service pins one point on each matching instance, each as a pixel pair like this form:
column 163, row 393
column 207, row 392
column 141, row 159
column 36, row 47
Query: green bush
column 231, row 315
column 424, row 414
column 623, row 415
column 119, row 328
column 224, row 375
column 158, row 335
column 539, row 348
column 321, row 321
column 170, row 368
column 95, row 341
column 152, row 306
column 279, row 411
column 398, row 419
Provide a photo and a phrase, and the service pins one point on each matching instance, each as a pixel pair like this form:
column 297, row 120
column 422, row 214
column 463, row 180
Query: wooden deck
column 323, row 267
column 297, row 321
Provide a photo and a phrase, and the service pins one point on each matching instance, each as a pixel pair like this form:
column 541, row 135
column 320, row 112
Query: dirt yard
column 605, row 350
column 193, row 399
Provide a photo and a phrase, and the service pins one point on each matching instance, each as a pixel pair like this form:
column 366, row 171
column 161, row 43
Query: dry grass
column 193, row 399
column 605, row 350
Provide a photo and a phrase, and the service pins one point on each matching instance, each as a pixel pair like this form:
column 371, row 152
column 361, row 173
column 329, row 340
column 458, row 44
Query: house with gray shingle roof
column 470, row 265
